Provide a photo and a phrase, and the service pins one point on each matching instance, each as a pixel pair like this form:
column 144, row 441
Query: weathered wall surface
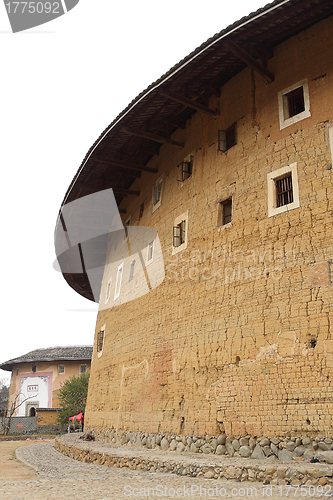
column 238, row 335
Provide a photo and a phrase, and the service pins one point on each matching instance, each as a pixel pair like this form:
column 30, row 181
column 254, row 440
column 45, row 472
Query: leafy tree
column 72, row 397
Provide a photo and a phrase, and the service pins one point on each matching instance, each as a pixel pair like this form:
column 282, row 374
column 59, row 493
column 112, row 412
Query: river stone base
column 195, row 465
column 286, row 448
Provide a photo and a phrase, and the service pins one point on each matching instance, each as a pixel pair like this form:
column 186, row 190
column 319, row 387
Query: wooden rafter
column 152, row 137
column 249, row 60
column 126, row 164
column 125, row 192
column 188, row 102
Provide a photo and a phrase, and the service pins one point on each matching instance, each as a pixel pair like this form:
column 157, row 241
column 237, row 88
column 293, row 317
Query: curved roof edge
column 126, row 147
column 241, row 23
column 68, row 353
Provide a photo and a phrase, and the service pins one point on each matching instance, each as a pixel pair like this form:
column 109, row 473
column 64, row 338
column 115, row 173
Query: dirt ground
column 10, row 468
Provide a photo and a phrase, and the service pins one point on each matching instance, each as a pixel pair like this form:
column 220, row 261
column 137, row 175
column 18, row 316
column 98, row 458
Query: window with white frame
column 83, row 368
column 294, row 104
column 108, row 290
column 131, row 274
column 61, row 369
column 283, row 192
column 150, row 251
column 119, row 280
column 180, row 233
column 157, row 194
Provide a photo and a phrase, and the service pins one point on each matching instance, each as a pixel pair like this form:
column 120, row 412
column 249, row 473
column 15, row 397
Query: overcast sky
column 62, row 84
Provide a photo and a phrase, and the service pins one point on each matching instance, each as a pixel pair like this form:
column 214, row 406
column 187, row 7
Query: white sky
column 62, row 83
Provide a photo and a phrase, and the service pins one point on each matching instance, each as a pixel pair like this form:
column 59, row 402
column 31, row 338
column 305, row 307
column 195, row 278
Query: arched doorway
column 32, row 412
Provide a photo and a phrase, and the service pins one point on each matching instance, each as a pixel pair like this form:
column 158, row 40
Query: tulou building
column 37, row 376
column 215, row 281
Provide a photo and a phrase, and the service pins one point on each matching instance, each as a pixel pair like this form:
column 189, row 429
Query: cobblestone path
column 61, row 477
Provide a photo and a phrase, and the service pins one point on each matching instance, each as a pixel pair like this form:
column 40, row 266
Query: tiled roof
column 136, row 135
column 68, row 353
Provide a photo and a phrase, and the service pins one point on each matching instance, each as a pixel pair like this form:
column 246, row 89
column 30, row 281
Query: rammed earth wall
column 237, row 338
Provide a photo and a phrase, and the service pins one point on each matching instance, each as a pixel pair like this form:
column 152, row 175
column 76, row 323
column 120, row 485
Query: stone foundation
column 294, row 473
column 287, row 448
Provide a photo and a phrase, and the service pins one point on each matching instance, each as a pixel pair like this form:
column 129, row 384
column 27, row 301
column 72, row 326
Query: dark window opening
column 157, row 190
column 228, row 138
column 294, row 102
column 127, row 223
column 187, row 169
column 34, row 368
column 224, row 212
column 179, row 233
column 100, row 340
column 313, row 342
column 284, row 190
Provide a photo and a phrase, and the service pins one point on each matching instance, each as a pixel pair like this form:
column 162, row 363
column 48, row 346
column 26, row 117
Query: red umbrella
column 78, row 417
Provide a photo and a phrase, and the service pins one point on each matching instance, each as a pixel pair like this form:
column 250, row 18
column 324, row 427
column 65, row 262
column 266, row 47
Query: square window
column 283, row 193
column 224, row 215
column 228, row 138
column 61, row 369
column 180, row 233
column 157, row 194
column 119, row 280
column 100, row 341
column 294, row 104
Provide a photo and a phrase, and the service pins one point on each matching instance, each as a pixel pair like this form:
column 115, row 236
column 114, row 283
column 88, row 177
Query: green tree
column 72, row 397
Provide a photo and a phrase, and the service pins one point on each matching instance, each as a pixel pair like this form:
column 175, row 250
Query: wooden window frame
column 187, row 168
column 157, row 194
column 227, row 138
column 222, row 216
column 180, row 226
